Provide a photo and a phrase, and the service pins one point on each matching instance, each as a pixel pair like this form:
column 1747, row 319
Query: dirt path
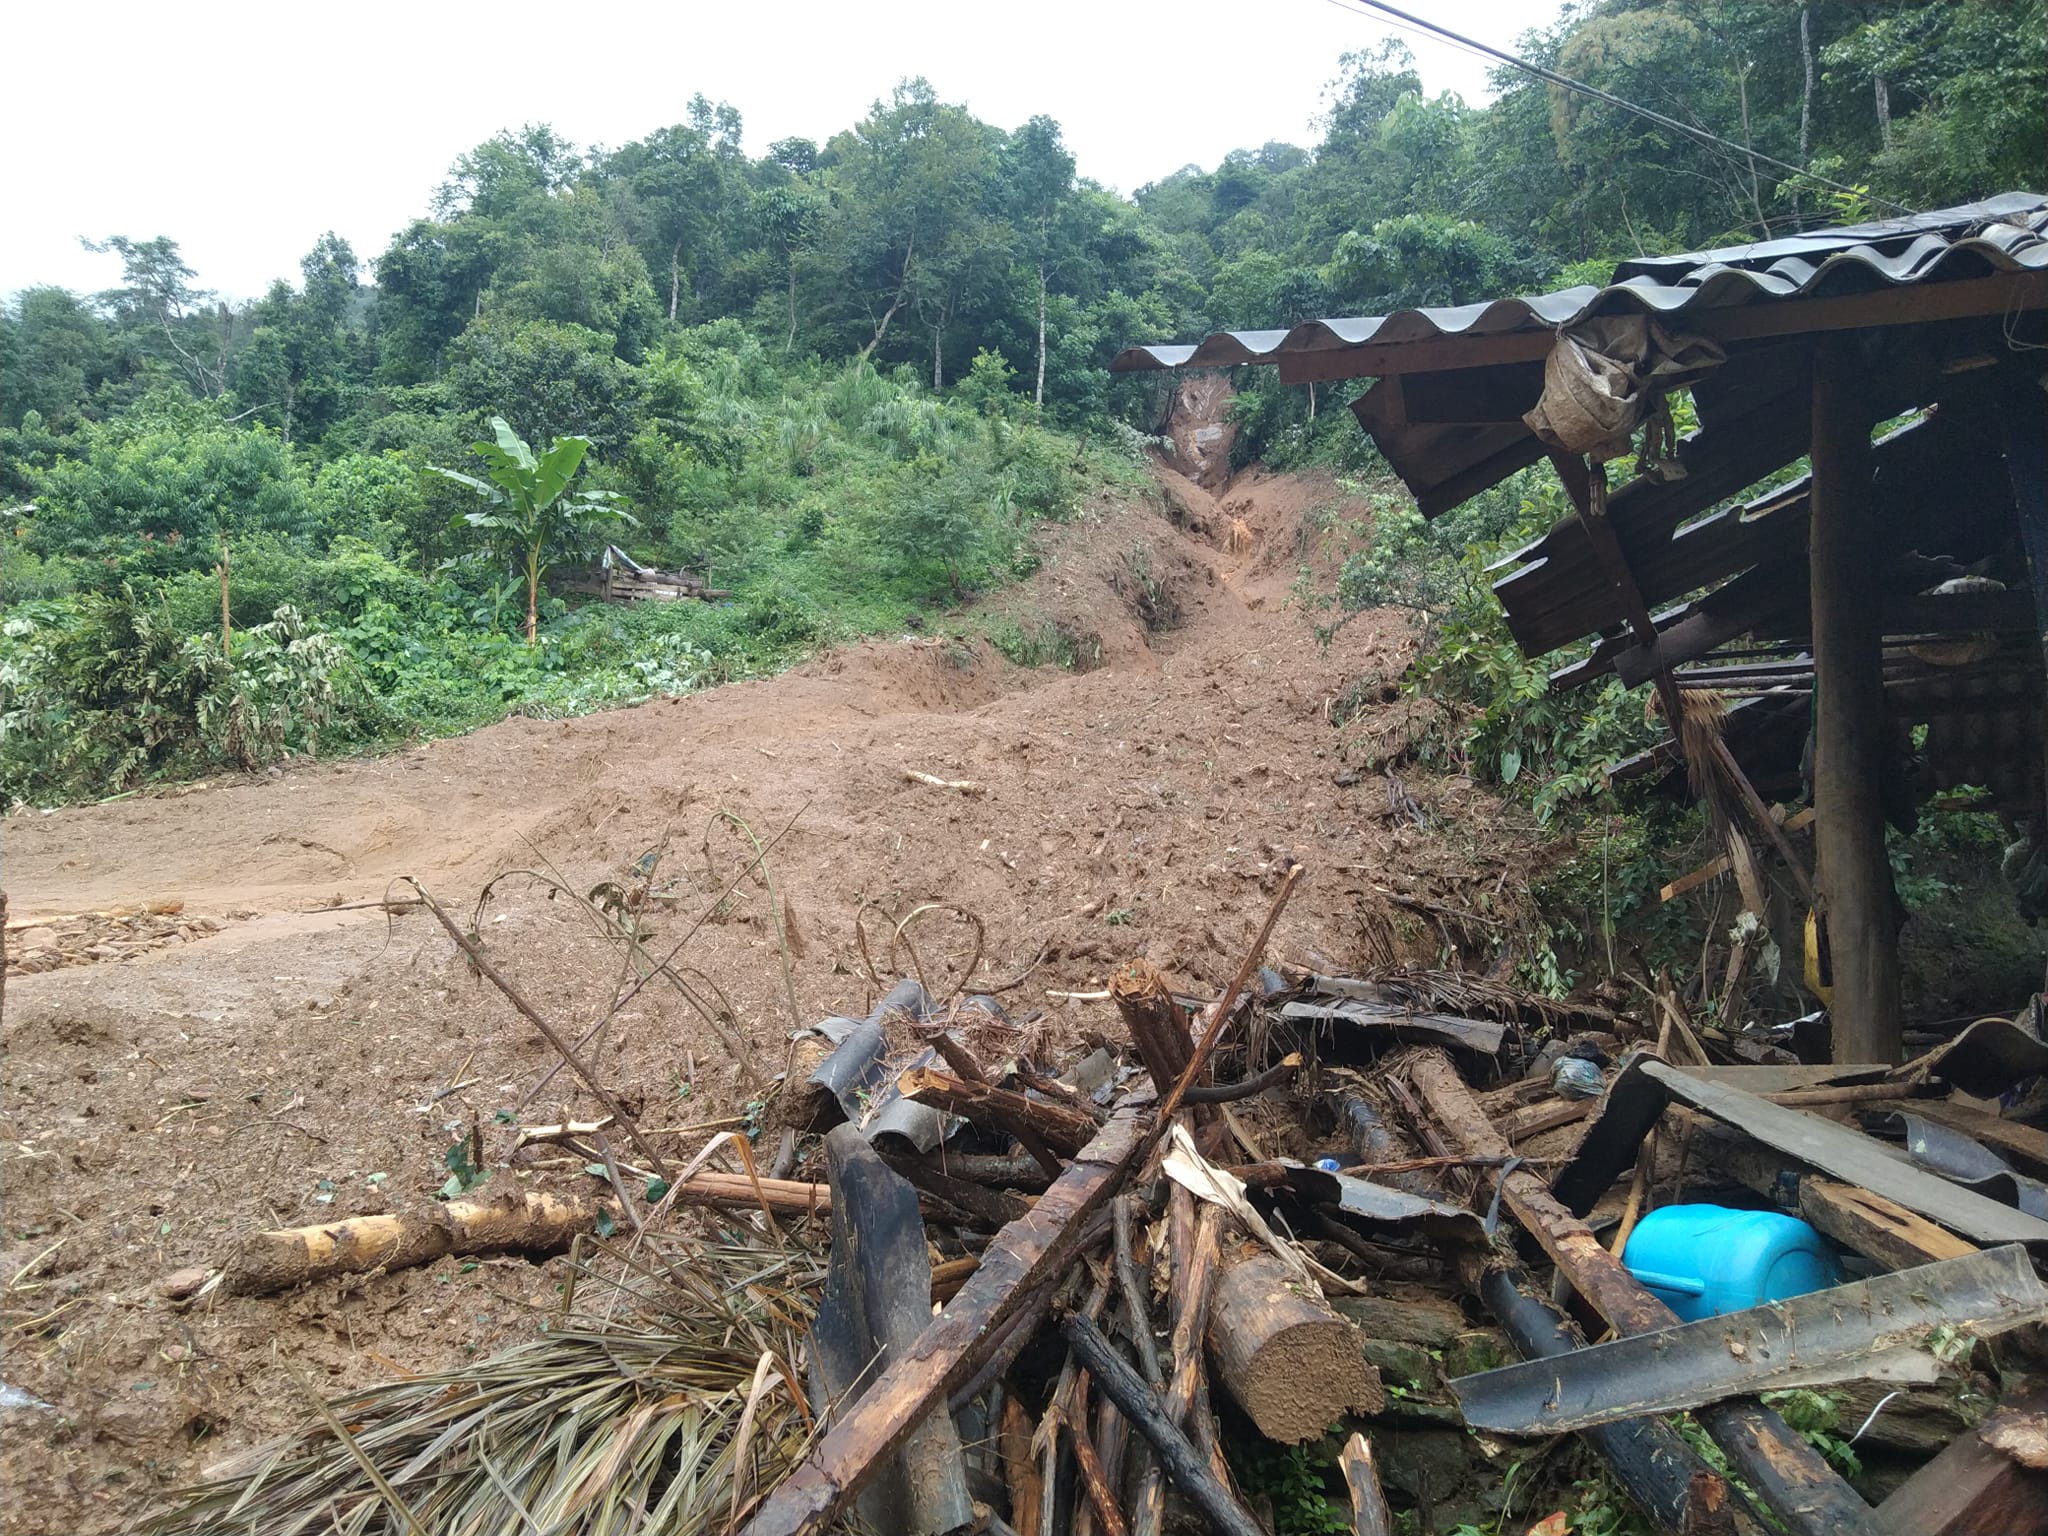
column 240, row 1057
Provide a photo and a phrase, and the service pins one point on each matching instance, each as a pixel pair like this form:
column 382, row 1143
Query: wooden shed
column 1878, row 623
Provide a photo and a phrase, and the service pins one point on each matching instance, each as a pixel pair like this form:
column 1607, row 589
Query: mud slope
column 198, row 1045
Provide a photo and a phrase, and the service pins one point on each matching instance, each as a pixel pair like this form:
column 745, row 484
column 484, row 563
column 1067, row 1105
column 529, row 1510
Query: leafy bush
column 1508, row 725
column 107, row 693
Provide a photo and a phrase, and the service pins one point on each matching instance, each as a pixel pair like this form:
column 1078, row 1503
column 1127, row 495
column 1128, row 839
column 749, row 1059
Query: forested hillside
column 842, row 379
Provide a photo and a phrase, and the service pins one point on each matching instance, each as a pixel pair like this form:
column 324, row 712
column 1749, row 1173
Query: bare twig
column 1207, row 1044
column 490, row 973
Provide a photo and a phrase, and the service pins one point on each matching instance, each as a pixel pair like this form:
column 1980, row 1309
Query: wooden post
column 2023, row 422
column 1849, row 735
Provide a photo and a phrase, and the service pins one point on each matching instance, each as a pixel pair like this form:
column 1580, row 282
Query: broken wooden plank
column 1020, row 1468
column 1973, row 1489
column 1685, row 884
column 948, row 1351
column 1848, row 1332
column 1881, row 1230
column 1369, row 1513
column 1538, row 1118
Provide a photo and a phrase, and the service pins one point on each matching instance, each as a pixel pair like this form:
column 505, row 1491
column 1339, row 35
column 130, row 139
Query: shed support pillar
column 2023, row 416
column 1850, row 737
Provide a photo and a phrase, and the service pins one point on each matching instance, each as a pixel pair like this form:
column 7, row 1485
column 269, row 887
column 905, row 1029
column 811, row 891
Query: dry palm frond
column 599, row 1427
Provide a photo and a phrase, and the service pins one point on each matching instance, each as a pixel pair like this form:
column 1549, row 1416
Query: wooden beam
column 2023, row 423
column 1586, row 484
column 1849, row 733
column 1910, row 304
column 947, row 1352
column 1881, row 1230
column 1972, row 1489
column 1721, row 616
column 1425, row 356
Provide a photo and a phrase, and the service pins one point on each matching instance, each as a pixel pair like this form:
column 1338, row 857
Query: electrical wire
column 1700, row 135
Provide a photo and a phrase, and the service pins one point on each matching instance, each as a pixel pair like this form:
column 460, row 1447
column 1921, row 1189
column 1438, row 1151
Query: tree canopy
column 837, row 371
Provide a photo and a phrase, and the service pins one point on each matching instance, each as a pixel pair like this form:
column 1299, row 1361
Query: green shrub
column 106, row 692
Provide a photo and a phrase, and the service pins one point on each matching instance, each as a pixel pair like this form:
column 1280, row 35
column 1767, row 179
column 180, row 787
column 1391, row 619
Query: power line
column 1701, row 135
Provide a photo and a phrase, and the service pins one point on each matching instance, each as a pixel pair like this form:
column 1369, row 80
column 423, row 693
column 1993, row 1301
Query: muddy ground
column 211, row 1028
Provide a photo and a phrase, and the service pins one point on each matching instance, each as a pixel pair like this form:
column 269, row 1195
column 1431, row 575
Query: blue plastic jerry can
column 1703, row 1260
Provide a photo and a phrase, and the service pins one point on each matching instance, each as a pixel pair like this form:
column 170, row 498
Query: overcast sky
column 244, row 131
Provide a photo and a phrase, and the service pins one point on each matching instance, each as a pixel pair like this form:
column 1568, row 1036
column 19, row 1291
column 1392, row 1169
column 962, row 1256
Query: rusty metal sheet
column 1878, row 1327
column 1481, row 1035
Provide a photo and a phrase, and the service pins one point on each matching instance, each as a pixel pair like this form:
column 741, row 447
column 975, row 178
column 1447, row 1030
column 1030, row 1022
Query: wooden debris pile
column 1176, row 1289
column 1052, row 1299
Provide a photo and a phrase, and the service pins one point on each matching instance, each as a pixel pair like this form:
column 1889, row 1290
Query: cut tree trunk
column 1158, row 1027
column 1292, row 1363
column 531, row 1221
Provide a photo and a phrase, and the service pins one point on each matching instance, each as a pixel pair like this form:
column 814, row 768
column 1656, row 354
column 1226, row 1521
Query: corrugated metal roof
column 2008, row 233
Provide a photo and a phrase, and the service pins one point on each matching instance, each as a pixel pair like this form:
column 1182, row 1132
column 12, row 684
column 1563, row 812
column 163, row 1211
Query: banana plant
column 527, row 502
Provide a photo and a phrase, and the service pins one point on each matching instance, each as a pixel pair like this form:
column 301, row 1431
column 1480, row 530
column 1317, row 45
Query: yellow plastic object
column 1820, row 989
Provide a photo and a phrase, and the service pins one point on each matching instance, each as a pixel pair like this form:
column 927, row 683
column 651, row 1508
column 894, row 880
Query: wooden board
column 1971, row 1489
column 946, row 1353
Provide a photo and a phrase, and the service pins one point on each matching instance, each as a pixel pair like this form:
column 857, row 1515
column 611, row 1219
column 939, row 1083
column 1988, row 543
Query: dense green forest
column 844, row 379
